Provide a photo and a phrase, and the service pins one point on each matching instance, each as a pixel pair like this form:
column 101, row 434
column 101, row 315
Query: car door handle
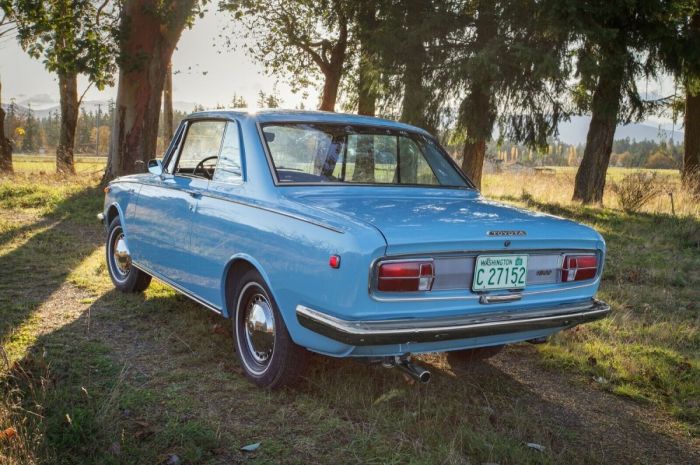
column 194, row 194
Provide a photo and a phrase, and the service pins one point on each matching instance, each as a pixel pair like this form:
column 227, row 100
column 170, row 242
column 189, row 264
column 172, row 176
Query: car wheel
column 125, row 276
column 264, row 348
column 461, row 357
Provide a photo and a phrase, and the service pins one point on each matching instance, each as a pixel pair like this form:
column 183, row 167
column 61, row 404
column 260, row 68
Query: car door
column 168, row 202
column 219, row 218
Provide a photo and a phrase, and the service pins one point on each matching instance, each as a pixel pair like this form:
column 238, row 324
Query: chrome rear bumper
column 401, row 331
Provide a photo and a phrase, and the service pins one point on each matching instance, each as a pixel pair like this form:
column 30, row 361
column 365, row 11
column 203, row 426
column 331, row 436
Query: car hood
column 415, row 220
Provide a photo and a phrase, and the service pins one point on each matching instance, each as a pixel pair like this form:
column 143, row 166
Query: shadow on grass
column 58, row 242
column 136, row 379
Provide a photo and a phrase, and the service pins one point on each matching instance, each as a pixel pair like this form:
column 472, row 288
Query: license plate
column 500, row 272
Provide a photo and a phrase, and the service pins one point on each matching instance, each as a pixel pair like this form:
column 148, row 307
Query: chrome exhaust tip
column 416, row 372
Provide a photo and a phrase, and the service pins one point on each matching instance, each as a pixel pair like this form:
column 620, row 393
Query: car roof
column 303, row 116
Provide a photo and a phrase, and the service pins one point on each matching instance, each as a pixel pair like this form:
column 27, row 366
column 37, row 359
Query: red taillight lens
column 409, row 276
column 579, row 268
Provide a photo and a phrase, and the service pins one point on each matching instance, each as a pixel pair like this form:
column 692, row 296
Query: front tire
column 264, row 349
column 125, row 276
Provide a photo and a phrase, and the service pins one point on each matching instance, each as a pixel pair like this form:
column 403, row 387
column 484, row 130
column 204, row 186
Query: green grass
column 649, row 350
column 46, row 164
column 98, row 377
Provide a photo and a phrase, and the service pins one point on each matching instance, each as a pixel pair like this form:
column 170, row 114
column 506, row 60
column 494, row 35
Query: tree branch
column 80, row 100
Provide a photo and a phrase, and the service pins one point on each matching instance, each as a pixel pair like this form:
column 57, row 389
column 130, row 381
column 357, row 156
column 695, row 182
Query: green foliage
column 629, row 36
column 72, row 37
column 295, row 39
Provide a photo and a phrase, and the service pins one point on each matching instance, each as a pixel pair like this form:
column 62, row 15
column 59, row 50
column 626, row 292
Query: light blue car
column 344, row 235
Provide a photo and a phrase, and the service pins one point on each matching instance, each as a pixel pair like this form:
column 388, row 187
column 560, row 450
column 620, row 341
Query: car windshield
column 313, row 153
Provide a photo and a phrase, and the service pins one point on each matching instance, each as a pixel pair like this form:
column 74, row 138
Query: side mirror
column 155, row 167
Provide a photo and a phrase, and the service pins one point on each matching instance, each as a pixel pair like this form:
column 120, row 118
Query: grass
column 92, row 376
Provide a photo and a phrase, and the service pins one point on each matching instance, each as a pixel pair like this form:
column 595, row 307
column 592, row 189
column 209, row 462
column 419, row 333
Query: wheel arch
column 112, row 212
column 236, row 267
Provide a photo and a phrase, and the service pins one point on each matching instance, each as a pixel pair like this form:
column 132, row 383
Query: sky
column 200, row 50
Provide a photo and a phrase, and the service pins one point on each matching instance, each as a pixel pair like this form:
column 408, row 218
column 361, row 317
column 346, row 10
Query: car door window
column 229, row 166
column 200, row 150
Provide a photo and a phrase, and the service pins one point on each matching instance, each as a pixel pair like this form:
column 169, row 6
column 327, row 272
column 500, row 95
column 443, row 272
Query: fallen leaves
column 8, row 433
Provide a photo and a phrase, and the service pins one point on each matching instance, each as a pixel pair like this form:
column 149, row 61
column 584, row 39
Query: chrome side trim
column 406, row 330
column 274, row 210
column 178, row 288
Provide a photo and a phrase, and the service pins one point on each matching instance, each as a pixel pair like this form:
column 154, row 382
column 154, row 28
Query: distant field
column 556, row 185
column 47, row 163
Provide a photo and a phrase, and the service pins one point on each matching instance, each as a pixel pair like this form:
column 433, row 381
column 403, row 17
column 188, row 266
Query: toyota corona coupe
column 347, row 236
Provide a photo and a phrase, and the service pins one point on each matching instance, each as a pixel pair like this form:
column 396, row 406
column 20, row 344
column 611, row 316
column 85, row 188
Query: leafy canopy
column 72, row 36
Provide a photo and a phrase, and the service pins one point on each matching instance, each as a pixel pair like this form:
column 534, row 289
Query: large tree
column 5, row 145
column 73, row 37
column 7, row 27
column 366, row 23
column 690, row 75
column 509, row 63
column 297, row 39
column 617, row 42
column 148, row 33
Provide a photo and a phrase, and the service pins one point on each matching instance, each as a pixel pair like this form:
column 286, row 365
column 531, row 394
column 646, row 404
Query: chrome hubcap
column 260, row 329
column 122, row 257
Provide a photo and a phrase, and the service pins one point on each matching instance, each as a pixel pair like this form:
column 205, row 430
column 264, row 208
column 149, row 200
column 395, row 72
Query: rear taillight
column 406, row 276
column 579, row 268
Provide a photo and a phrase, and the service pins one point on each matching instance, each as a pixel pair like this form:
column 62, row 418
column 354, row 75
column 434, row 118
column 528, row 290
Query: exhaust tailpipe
column 418, row 373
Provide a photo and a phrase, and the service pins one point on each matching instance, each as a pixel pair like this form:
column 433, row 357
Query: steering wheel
column 208, row 172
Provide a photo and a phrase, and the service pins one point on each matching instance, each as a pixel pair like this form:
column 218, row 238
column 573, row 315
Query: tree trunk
column 367, row 93
column 414, row 95
column 147, row 46
column 473, row 155
column 590, row 177
column 5, row 145
column 479, row 116
column 168, row 106
column 333, row 68
column 691, row 157
column 478, row 110
column 330, row 89
column 367, row 97
column 68, row 91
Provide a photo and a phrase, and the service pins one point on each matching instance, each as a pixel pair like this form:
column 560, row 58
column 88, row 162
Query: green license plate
column 500, row 272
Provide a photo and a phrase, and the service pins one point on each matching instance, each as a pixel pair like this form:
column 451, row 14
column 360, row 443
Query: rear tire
column 125, row 276
column 462, row 357
column 264, row 349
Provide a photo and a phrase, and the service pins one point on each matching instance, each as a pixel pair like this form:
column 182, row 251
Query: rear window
column 322, row 153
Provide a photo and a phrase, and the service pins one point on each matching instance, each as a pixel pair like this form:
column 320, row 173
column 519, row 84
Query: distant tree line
column 30, row 134
column 467, row 68
column 626, row 153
